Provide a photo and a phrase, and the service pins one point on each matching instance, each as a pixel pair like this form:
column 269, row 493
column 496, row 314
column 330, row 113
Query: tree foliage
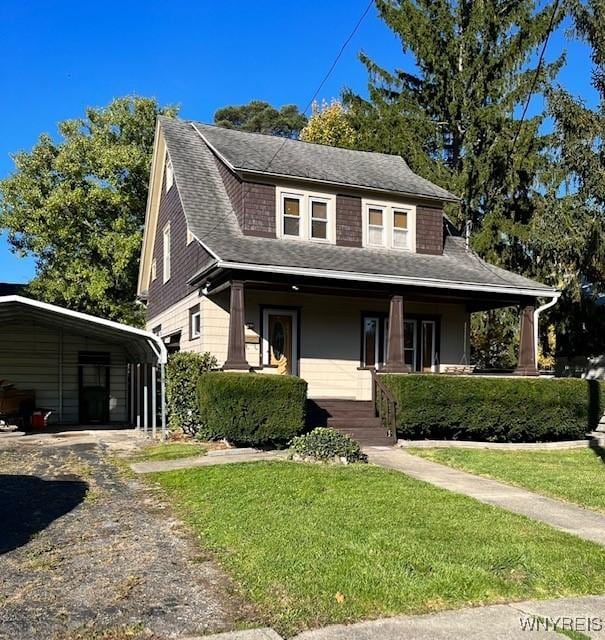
column 569, row 230
column 258, row 116
column 329, row 124
column 78, row 205
column 452, row 116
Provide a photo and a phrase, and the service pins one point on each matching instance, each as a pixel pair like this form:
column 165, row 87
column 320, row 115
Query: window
column 169, row 174
column 195, row 322
column 307, row 215
column 166, row 254
column 400, row 229
column 375, row 226
column 154, row 269
column 291, row 215
column 157, row 330
column 319, row 219
column 388, row 224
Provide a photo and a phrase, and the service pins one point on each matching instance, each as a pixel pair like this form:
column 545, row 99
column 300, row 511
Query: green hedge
column 183, row 371
column 495, row 409
column 251, row 408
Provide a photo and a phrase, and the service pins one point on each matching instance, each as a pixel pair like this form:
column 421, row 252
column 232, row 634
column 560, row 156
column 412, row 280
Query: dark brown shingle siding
column 186, row 259
column 259, row 209
column 429, row 230
column 348, row 221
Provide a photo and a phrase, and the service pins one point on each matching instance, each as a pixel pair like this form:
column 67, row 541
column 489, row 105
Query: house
column 277, row 255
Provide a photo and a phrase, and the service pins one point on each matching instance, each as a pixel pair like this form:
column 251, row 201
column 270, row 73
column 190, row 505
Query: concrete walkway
column 220, row 456
column 580, row 522
column 497, row 622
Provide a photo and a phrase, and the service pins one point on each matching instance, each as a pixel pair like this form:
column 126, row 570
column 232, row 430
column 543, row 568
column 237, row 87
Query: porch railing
column 385, row 405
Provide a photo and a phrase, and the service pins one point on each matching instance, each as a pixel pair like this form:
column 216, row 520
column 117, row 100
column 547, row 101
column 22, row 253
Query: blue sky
column 61, row 57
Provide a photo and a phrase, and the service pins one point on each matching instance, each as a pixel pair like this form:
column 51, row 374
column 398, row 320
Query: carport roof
column 140, row 345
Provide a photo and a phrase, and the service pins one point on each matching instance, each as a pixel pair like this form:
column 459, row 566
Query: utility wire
column 309, row 104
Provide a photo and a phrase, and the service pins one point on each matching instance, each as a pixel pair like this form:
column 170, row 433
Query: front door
column 280, row 342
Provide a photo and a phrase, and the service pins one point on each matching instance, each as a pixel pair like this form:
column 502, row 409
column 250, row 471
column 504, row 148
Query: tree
column 329, row 124
column 78, row 205
column 260, row 117
column 452, row 117
column 569, row 230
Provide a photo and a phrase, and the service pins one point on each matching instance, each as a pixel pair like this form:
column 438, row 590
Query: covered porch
column 336, row 334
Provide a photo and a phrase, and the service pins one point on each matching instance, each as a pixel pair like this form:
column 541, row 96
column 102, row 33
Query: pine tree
column 453, row 116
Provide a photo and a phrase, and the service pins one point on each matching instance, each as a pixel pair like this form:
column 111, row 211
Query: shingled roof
column 211, row 218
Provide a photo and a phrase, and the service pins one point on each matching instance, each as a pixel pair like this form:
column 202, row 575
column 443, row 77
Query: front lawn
column 313, row 545
column 576, row 475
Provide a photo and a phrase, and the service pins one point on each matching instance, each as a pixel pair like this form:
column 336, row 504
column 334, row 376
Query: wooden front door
column 280, row 341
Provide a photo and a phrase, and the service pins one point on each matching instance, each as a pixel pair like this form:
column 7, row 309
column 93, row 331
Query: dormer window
column 390, row 225
column 306, row 215
column 291, row 215
column 376, row 226
column 400, row 229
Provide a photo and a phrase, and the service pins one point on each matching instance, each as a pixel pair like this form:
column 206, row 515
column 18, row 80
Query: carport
column 83, row 369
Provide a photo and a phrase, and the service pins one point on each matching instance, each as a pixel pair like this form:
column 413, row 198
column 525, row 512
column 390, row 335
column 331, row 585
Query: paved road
column 81, row 545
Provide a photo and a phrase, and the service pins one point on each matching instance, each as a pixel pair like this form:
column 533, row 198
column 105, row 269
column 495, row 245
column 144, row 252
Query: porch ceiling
column 141, row 346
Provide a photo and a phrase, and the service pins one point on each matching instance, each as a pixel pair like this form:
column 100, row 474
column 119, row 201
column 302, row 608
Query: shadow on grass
column 29, row 504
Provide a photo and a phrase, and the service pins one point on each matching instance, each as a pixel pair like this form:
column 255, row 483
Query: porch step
column 356, row 418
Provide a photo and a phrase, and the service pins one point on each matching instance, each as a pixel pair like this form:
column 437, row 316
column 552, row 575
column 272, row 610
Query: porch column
column 395, row 360
column 236, row 348
column 527, row 348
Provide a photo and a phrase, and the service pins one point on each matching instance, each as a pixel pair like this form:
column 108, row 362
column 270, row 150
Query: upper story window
column 306, row 215
column 169, row 174
column 154, row 269
column 389, row 225
column 166, row 254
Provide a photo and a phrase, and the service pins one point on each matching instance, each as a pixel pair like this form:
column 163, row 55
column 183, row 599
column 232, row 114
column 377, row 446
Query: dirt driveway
column 84, row 550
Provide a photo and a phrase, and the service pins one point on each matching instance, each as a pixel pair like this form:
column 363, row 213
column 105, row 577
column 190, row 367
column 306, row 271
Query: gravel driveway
column 87, row 553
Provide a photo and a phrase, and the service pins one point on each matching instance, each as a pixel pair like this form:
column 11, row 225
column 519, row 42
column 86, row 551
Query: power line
column 309, row 104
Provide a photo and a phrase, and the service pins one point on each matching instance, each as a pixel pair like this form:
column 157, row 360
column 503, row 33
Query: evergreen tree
column 569, row 229
column 453, row 116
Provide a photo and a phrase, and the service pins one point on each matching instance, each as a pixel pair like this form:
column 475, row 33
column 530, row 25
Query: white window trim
column 166, row 253
column 192, row 331
column 154, row 269
column 169, row 174
column 283, row 215
column 388, row 220
column 383, row 227
column 265, row 338
column 305, row 198
column 189, row 237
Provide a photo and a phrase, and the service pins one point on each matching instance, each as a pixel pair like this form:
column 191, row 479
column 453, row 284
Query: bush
column 183, row 371
column 251, row 408
column 495, row 409
column 326, row 445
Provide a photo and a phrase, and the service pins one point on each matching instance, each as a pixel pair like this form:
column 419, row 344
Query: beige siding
column 330, row 335
column 30, row 358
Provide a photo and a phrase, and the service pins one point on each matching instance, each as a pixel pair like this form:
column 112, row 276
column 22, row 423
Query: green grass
column 575, row 475
column 313, row 545
column 169, row 451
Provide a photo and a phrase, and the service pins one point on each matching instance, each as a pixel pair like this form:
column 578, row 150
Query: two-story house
column 283, row 256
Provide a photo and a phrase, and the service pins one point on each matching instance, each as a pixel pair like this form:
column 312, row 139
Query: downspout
column 537, row 313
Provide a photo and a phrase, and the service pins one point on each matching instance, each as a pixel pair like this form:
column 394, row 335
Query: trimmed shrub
column 251, row 408
column 326, row 445
column 183, row 371
column 495, row 409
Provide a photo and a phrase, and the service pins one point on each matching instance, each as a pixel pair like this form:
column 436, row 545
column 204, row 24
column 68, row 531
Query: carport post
column 163, row 398
column 146, row 399
column 133, row 397
column 154, row 400
column 138, row 374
